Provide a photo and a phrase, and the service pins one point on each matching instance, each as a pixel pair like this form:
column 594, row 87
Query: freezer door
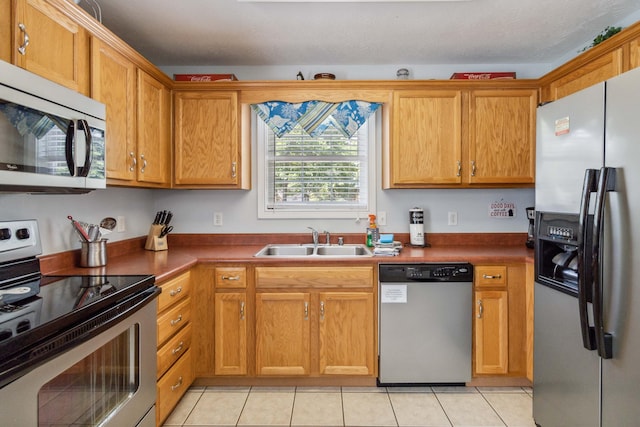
column 621, row 254
column 566, row 376
column 570, row 139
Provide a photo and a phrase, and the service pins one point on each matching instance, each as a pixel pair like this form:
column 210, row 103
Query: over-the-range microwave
column 52, row 139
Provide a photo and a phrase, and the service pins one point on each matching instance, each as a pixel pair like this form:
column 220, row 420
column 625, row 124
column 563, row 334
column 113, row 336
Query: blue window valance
column 315, row 116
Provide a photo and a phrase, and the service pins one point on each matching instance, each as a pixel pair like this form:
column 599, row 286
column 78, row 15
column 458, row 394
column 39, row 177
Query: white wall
column 51, row 211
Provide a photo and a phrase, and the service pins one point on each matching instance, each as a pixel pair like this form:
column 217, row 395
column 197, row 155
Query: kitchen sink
column 293, row 251
column 344, row 250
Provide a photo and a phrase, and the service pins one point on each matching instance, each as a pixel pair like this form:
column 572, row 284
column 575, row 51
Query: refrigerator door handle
column 604, row 340
column 585, row 281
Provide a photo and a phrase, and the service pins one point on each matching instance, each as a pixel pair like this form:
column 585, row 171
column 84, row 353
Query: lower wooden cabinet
column 175, row 371
column 502, row 324
column 172, row 386
column 305, row 326
column 230, row 356
column 491, row 332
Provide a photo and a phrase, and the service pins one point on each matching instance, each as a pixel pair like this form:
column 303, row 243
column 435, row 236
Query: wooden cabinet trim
column 314, row 277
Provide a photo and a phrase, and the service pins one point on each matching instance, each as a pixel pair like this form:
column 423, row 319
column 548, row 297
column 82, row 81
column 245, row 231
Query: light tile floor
column 354, row 406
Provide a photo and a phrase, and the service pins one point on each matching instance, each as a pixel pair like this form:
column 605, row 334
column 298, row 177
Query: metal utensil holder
column 93, row 254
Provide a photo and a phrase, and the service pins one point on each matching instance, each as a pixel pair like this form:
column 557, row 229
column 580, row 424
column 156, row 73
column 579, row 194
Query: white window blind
column 316, row 176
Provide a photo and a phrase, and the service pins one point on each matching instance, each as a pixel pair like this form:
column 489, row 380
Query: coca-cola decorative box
column 204, row 77
column 484, row 75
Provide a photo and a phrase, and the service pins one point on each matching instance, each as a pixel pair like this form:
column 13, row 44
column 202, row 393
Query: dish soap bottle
column 372, row 232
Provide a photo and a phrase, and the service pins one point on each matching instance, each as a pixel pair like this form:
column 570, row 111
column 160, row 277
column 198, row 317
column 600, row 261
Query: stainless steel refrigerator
column 587, row 263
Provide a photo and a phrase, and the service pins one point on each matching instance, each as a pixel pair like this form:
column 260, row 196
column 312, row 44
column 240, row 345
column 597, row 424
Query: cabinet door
column 6, row 26
column 502, row 136
column 491, row 332
column 153, row 124
column 114, row 84
column 426, row 138
column 206, row 138
column 230, row 334
column 346, row 333
column 282, row 333
column 58, row 47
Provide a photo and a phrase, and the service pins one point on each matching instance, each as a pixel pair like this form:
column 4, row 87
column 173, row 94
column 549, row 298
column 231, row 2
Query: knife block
column 154, row 241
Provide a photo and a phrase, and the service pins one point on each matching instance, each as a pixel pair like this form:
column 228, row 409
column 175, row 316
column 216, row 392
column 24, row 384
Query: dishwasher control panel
column 426, row 272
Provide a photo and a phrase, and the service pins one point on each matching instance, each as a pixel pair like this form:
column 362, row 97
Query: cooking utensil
column 79, row 228
column 108, row 223
column 156, row 221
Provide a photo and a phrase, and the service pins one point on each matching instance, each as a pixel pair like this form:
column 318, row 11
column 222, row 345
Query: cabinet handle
column 489, row 276
column 178, row 349
column 174, row 292
column 473, row 168
column 321, row 310
column 306, row 310
column 177, row 385
column 144, row 163
column 233, row 170
column 241, row 310
column 480, row 309
column 134, row 162
column 22, row 49
column 230, row 277
column 174, row 322
column 459, row 168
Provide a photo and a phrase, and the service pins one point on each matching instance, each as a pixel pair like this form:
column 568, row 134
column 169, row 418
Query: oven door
column 109, row 380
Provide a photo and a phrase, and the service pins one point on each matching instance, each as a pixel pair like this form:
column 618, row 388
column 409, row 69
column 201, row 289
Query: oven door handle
column 604, row 340
column 585, row 281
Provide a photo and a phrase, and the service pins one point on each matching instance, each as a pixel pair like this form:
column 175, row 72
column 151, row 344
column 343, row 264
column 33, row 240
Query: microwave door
column 92, row 152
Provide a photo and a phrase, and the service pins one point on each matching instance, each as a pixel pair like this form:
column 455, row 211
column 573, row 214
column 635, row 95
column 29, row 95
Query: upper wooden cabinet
column 458, row 138
column 154, row 132
column 502, row 134
column 48, row 43
column 207, row 147
column 426, row 145
column 138, row 119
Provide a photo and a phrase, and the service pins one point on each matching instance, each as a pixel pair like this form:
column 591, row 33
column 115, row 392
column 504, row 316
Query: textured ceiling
column 228, row 32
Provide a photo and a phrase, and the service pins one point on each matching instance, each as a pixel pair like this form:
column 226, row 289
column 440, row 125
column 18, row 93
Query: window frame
column 262, row 130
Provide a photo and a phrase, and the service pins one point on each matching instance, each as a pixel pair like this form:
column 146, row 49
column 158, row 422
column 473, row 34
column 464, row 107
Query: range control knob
column 23, row 233
column 5, row 233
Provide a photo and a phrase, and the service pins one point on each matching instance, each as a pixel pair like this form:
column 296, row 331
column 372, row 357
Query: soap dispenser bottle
column 373, row 234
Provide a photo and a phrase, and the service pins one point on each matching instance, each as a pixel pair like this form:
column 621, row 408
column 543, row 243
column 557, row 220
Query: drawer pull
column 176, row 291
column 177, row 385
column 480, row 309
column 489, row 276
column 178, row 349
column 174, row 322
column 231, row 278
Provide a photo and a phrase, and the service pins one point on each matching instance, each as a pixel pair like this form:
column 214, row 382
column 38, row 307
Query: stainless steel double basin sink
column 320, row 251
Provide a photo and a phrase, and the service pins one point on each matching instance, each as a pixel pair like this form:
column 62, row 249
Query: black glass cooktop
column 34, row 310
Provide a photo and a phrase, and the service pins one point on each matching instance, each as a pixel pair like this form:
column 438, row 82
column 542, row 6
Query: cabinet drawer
column 231, row 277
column 173, row 320
column 314, row 277
column 172, row 386
column 174, row 290
column 173, row 349
column 490, row 276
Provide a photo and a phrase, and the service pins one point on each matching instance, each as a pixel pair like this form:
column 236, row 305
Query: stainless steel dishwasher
column 425, row 323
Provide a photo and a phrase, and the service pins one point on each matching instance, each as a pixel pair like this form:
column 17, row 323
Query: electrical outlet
column 452, row 218
column 217, row 219
column 382, row 218
column 121, row 226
